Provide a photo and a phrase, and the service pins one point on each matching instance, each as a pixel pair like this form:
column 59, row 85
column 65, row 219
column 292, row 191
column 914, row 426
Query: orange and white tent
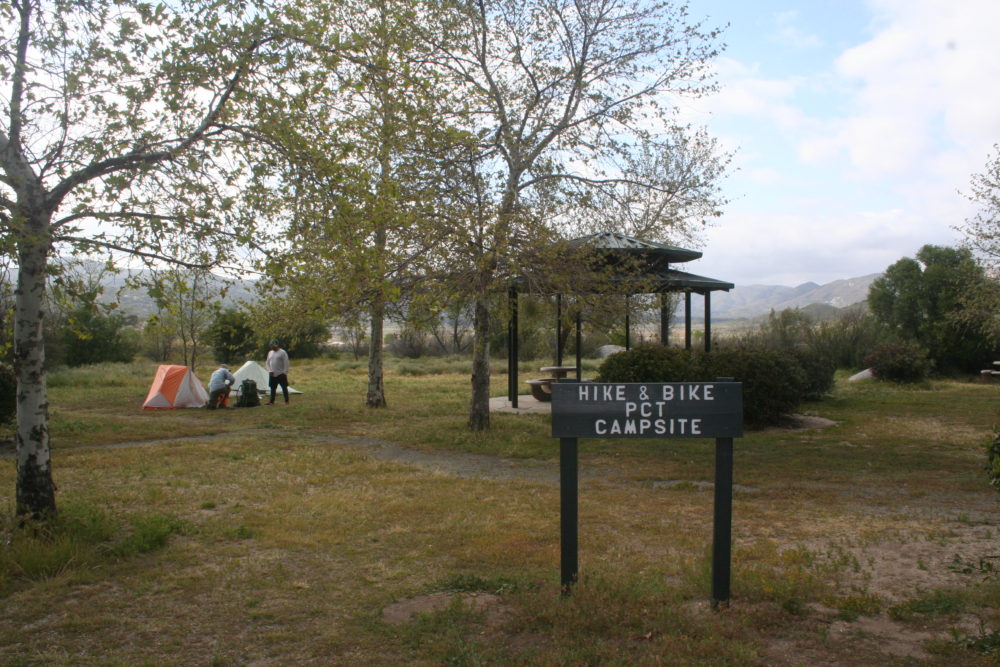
column 175, row 387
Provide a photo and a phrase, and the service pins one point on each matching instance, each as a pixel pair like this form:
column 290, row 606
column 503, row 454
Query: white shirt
column 277, row 362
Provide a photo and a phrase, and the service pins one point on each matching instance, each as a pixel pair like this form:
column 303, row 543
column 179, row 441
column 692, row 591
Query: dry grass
column 290, row 529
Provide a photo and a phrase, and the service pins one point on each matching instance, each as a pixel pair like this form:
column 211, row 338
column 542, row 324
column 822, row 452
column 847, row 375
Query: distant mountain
column 748, row 301
column 743, row 302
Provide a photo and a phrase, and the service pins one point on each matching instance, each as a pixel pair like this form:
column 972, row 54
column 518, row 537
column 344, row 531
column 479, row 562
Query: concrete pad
column 526, row 405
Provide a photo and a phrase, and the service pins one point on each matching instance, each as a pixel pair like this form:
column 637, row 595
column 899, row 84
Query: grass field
column 325, row 533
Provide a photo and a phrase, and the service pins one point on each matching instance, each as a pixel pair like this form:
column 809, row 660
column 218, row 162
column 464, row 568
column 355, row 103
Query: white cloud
column 789, row 33
column 927, row 78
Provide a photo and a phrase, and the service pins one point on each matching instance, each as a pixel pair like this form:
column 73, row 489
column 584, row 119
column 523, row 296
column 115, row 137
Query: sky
column 857, row 126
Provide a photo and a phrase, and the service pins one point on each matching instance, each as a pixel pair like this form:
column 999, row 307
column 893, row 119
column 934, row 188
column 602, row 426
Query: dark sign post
column 648, row 410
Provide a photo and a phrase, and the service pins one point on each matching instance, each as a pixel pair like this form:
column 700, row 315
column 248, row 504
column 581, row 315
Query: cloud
column 789, row 33
column 927, row 78
column 792, row 248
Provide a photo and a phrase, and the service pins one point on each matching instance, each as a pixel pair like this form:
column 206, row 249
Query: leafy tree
column 81, row 329
column 561, row 95
column 982, row 236
column 113, row 137
column 982, row 231
column 157, row 339
column 232, row 336
column 363, row 204
column 188, row 300
column 91, row 336
column 922, row 300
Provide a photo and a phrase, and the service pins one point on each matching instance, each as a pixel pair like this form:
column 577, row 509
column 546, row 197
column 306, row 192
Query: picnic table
column 541, row 388
column 558, row 372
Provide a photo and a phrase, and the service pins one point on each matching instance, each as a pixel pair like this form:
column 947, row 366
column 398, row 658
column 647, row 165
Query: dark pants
column 218, row 398
column 274, row 381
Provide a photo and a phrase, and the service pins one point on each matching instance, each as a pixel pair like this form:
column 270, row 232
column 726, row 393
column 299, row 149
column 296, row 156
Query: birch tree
column 120, row 133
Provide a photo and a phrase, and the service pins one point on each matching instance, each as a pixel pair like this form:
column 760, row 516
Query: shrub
column 653, row 363
column 8, row 393
column 774, row 383
column 899, row 362
column 90, row 336
column 818, row 368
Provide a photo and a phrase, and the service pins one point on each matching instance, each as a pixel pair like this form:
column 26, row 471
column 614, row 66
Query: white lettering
column 601, row 427
column 695, row 427
column 708, row 392
column 630, row 427
column 630, row 407
column 668, row 392
column 620, row 392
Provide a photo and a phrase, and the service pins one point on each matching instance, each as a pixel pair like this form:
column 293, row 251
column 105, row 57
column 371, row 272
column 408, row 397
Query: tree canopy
column 923, row 299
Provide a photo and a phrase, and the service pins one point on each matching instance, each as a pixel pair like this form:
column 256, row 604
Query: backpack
column 248, row 397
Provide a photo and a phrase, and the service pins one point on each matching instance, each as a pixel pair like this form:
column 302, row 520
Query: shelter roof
column 616, row 242
column 672, row 280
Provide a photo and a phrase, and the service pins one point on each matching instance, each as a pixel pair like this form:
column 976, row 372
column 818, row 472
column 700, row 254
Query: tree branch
column 132, row 251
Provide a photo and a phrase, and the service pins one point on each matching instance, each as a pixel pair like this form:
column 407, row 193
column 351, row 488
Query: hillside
column 749, row 301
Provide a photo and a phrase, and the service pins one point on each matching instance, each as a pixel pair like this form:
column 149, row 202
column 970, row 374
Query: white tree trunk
column 35, row 488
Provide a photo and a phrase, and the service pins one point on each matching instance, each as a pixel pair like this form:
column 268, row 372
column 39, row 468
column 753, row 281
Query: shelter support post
column 628, row 324
column 579, row 346
column 664, row 319
column 559, row 349
column 687, row 320
column 708, row 321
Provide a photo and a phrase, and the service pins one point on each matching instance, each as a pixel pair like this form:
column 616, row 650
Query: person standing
column 219, row 387
column 277, row 370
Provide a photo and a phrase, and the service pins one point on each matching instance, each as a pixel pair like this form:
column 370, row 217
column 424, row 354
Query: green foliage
column 90, row 336
column 904, row 362
column 925, row 300
column 81, row 536
column 148, row 533
column 850, row 338
column 774, row 383
column 793, row 332
column 232, row 336
column 936, row 604
column 818, row 368
column 301, row 340
column 8, row 393
column 652, row 363
column 993, row 458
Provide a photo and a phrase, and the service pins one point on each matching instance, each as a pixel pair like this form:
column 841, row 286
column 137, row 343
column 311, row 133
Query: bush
column 8, row 393
column 89, row 336
column 232, row 336
column 818, row 368
column 904, row 362
column 774, row 383
column 653, row 363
